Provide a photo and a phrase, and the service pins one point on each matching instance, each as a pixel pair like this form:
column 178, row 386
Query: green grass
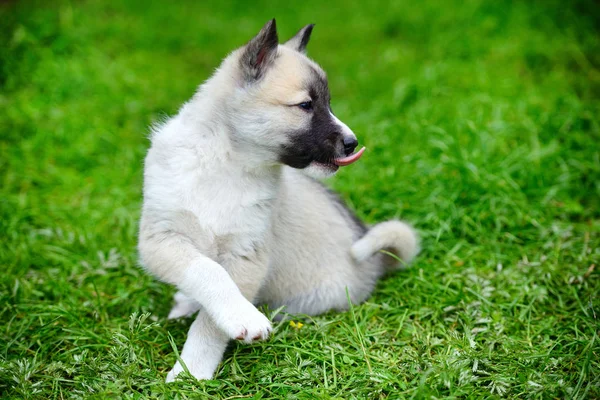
column 482, row 124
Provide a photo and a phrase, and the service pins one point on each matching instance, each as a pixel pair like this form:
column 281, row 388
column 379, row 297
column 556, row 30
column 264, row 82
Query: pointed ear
column 260, row 52
column 300, row 40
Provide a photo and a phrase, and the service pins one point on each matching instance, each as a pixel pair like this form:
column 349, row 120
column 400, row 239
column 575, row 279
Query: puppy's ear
column 300, row 40
column 260, row 52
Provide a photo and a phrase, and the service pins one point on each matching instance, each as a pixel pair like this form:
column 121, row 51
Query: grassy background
column 481, row 120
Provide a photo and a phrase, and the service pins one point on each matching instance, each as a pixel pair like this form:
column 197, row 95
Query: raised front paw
column 244, row 322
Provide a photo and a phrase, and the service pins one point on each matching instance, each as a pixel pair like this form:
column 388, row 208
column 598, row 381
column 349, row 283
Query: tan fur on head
column 286, row 82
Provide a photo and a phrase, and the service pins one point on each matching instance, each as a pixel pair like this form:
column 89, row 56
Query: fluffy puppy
column 231, row 216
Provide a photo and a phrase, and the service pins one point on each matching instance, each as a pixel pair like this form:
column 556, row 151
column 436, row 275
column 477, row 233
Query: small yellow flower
column 296, row 325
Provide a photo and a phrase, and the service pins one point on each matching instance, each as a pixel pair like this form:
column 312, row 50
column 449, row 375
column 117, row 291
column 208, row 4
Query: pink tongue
column 349, row 159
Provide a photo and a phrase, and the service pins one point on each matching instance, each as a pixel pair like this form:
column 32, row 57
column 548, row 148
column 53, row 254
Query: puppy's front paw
column 244, row 322
column 197, row 370
column 172, row 375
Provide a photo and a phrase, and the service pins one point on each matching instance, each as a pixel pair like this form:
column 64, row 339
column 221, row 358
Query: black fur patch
column 322, row 140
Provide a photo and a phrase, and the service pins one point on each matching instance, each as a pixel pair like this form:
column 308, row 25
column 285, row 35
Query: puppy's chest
column 234, row 218
column 238, row 215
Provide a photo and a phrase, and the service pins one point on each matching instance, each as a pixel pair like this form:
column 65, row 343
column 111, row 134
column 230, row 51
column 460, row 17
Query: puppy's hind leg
column 184, row 306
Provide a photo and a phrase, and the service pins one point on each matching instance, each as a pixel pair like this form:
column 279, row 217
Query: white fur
column 390, row 234
column 230, row 227
column 184, row 306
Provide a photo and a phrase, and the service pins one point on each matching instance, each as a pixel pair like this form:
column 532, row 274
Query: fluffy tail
column 395, row 236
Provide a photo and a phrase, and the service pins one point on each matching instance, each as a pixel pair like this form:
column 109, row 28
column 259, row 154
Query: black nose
column 350, row 144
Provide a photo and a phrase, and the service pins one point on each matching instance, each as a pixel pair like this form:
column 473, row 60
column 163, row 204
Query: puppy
column 231, row 216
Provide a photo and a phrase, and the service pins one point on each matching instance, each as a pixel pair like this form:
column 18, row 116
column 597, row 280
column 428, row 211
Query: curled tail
column 395, row 236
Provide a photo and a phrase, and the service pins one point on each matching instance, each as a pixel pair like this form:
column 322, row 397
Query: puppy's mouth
column 336, row 163
column 352, row 158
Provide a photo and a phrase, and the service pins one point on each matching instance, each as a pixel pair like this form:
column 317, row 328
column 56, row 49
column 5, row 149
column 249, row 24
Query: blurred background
column 480, row 119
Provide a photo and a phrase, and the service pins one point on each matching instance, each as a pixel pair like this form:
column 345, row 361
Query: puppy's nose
column 350, row 144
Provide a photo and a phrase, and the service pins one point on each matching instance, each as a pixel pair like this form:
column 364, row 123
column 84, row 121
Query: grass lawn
column 482, row 125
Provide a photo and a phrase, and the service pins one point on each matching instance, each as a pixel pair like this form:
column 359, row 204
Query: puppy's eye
column 307, row 105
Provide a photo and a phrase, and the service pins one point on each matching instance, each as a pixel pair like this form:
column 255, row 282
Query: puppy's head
column 281, row 105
